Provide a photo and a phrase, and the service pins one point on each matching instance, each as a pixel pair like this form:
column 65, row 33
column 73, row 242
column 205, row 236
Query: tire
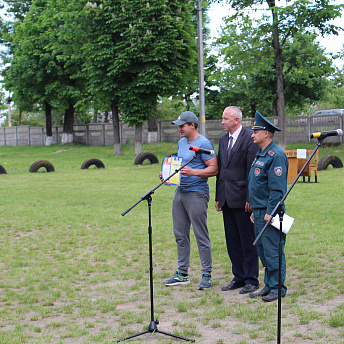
column 2, row 170
column 140, row 158
column 41, row 163
column 90, row 162
column 327, row 160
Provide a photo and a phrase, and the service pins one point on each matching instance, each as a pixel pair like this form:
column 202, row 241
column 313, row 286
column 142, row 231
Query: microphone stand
column 148, row 197
column 279, row 210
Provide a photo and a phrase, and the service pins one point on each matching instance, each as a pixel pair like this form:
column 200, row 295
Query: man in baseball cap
column 186, row 117
column 190, row 202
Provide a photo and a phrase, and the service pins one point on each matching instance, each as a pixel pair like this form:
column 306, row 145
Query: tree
column 299, row 16
column 103, row 31
column 157, row 54
column 334, row 97
column 144, row 51
column 26, row 76
column 46, row 67
column 249, row 76
column 69, row 88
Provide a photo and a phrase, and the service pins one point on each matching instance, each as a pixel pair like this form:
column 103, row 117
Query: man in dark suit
column 236, row 154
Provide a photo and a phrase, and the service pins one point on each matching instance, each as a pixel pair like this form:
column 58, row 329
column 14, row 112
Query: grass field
column 73, row 270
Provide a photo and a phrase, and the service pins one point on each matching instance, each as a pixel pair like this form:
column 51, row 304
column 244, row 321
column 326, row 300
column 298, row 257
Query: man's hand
column 187, row 171
column 267, row 218
column 248, row 207
column 218, row 208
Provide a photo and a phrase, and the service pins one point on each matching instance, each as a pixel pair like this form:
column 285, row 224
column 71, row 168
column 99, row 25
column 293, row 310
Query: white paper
column 286, row 223
column 301, row 153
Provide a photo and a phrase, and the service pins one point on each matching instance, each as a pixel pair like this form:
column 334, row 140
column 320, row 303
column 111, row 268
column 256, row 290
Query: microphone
column 324, row 134
column 202, row 151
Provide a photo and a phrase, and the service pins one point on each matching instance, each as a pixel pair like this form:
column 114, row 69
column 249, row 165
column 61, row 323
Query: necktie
column 229, row 146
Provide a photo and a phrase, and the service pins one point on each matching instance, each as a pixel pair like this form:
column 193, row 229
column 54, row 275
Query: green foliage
column 249, row 78
column 18, row 8
column 3, row 102
column 34, row 119
column 45, row 68
column 334, row 98
column 295, row 18
column 170, row 108
column 138, row 51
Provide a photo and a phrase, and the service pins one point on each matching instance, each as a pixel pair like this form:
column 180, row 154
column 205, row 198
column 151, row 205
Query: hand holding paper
column 286, row 223
column 169, row 165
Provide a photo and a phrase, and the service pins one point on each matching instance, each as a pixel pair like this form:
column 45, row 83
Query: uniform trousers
column 267, row 247
column 191, row 208
column 239, row 232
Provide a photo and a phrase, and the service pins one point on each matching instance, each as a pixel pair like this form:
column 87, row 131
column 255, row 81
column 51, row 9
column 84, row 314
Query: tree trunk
column 138, row 138
column 95, row 115
column 115, row 125
column 275, row 107
column 20, row 117
column 153, row 128
column 187, row 101
column 48, row 125
column 106, row 117
column 253, row 109
column 279, row 73
column 67, row 136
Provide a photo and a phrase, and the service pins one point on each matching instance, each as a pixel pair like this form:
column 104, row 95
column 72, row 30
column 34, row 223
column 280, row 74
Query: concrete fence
column 298, row 129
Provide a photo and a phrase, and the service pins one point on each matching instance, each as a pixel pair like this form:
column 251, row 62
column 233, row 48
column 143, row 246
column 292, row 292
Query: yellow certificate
column 169, row 166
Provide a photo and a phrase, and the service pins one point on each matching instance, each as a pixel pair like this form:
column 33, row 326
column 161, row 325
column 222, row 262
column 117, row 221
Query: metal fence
column 298, row 129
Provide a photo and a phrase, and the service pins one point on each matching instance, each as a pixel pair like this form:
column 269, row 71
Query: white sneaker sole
column 176, row 283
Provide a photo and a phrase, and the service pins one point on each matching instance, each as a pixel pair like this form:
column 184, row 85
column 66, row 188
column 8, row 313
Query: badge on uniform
column 260, row 163
column 278, row 171
column 257, row 172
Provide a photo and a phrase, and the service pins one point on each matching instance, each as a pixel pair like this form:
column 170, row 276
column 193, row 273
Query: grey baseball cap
column 186, row 117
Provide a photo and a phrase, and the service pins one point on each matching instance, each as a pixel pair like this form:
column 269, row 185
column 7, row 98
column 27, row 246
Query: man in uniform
column 267, row 186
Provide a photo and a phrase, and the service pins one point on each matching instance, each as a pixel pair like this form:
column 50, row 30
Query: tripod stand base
column 152, row 328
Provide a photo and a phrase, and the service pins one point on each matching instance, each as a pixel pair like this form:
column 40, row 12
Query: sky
column 332, row 43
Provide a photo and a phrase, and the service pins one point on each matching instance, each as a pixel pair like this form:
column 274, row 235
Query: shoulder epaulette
column 271, row 153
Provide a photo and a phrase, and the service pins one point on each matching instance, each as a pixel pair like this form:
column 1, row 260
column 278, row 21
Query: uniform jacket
column 232, row 179
column 268, row 178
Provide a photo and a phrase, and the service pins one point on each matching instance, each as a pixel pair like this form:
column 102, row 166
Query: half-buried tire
column 2, row 170
column 41, row 163
column 327, row 160
column 140, row 158
column 90, row 162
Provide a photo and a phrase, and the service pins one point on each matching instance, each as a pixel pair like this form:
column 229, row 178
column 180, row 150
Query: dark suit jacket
column 232, row 179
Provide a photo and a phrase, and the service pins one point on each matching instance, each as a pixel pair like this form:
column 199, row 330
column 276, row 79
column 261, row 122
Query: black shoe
column 232, row 286
column 248, row 288
column 270, row 297
column 263, row 292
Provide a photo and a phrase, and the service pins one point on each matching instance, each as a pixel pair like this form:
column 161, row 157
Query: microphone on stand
column 324, row 134
column 202, row 151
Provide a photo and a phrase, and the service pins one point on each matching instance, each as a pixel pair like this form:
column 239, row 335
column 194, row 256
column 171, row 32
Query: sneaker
column 177, row 279
column 206, row 282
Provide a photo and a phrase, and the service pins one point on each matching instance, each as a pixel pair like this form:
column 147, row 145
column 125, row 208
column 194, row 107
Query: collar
column 236, row 133
column 265, row 151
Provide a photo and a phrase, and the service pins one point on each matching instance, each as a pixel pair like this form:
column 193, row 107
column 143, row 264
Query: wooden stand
column 293, row 167
column 296, row 164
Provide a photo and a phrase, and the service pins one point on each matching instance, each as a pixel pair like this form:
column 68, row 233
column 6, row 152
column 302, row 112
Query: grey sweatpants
column 191, row 208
